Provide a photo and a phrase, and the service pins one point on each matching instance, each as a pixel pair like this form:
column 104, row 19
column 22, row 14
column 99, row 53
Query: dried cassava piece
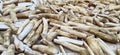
column 24, row 0
column 4, row 53
column 29, row 36
column 52, row 29
column 47, row 15
column 32, row 31
column 51, row 36
column 112, row 24
column 12, row 26
column 98, row 22
column 2, row 48
column 26, row 30
column 104, row 36
column 45, row 28
column 9, row 2
column 1, row 39
column 35, row 37
column 45, row 49
column 6, row 36
column 22, row 26
column 7, row 7
column 62, row 50
column 89, row 49
column 13, row 15
column 11, row 50
column 94, row 45
column 57, row 22
column 66, row 34
column 72, row 47
column 82, row 26
column 50, row 49
column 74, row 32
column 20, row 9
column 3, row 26
column 105, row 47
column 113, row 28
column 18, row 44
column 77, row 42
column 58, row 25
column 21, row 54
column 22, row 47
column 118, row 51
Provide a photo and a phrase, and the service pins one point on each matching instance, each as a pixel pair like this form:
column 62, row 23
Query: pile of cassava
column 59, row 27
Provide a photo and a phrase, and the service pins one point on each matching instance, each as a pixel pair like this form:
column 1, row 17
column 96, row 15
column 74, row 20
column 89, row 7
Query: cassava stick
column 35, row 37
column 49, row 49
column 22, row 26
column 18, row 44
column 58, row 25
column 12, row 26
column 98, row 22
column 13, row 15
column 9, row 2
column 7, row 7
column 72, row 47
column 73, row 41
column 51, row 36
column 6, row 36
column 94, row 45
column 62, row 50
column 1, row 39
column 24, row 0
column 11, row 50
column 52, row 29
column 112, row 24
column 88, row 48
column 45, row 28
column 26, row 30
column 21, row 54
column 45, row 49
column 66, row 34
column 58, row 22
column 29, row 36
column 32, row 32
column 4, row 53
column 104, row 36
column 2, row 48
column 47, row 15
column 74, row 32
column 118, row 51
column 105, row 47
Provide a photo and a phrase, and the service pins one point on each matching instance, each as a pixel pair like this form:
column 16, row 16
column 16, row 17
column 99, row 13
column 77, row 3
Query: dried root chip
column 6, row 36
column 72, row 47
column 94, row 45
